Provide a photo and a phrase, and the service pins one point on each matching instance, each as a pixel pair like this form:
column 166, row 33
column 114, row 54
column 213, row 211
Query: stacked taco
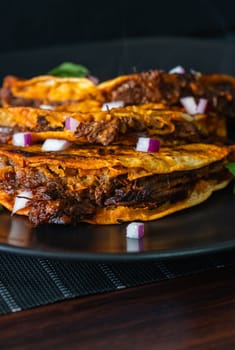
column 67, row 156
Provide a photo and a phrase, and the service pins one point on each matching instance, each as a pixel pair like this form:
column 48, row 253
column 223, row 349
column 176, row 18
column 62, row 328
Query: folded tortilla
column 47, row 90
column 121, row 125
column 160, row 86
column 101, row 178
column 155, row 86
column 109, row 185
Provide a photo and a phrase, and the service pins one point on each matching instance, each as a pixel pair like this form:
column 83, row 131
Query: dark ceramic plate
column 208, row 227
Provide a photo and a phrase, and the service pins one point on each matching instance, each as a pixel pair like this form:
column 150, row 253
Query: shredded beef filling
column 53, row 202
column 5, row 134
column 115, row 130
column 158, row 86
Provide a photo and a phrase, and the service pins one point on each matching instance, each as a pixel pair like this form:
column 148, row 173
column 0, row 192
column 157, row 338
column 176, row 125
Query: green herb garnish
column 231, row 167
column 69, row 69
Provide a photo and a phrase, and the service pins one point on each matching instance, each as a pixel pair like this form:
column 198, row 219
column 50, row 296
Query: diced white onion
column 147, row 144
column 135, row 230
column 191, row 107
column 189, row 104
column 114, row 104
column 93, row 79
column 22, row 139
column 177, row 69
column 71, row 124
column 55, row 145
column 201, row 106
column 47, row 107
column 21, row 200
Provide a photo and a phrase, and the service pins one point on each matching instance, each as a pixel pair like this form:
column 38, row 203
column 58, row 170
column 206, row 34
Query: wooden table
column 196, row 312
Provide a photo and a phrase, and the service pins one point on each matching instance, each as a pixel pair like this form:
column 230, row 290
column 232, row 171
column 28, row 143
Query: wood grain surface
column 195, row 312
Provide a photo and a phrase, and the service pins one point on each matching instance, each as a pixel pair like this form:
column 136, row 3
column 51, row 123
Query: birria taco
column 108, row 185
column 123, row 125
column 154, row 86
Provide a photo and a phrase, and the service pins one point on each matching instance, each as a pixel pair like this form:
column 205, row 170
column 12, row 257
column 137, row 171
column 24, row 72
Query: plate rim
column 118, row 257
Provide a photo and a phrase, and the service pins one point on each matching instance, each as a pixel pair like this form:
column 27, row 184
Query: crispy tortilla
column 47, row 90
column 101, row 178
column 154, row 86
column 158, row 86
column 108, row 185
column 119, row 125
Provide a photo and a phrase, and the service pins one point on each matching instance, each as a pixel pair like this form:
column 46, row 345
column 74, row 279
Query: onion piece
column 177, row 69
column 47, row 107
column 113, row 104
column 22, row 139
column 55, row 145
column 93, row 79
column 201, row 106
column 147, row 144
column 189, row 104
column 135, row 230
column 21, row 200
column 191, row 107
column 71, row 124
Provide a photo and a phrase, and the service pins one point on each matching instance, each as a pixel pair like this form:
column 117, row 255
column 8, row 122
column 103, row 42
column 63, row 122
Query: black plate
column 209, row 227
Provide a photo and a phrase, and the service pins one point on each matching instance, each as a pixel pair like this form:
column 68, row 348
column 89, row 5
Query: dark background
column 114, row 38
column 35, row 24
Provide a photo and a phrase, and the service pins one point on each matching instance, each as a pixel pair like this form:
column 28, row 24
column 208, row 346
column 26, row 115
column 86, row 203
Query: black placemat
column 27, row 282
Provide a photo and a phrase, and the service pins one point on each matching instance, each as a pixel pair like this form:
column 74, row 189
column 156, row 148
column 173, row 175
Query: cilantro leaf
column 69, row 69
column 231, row 167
